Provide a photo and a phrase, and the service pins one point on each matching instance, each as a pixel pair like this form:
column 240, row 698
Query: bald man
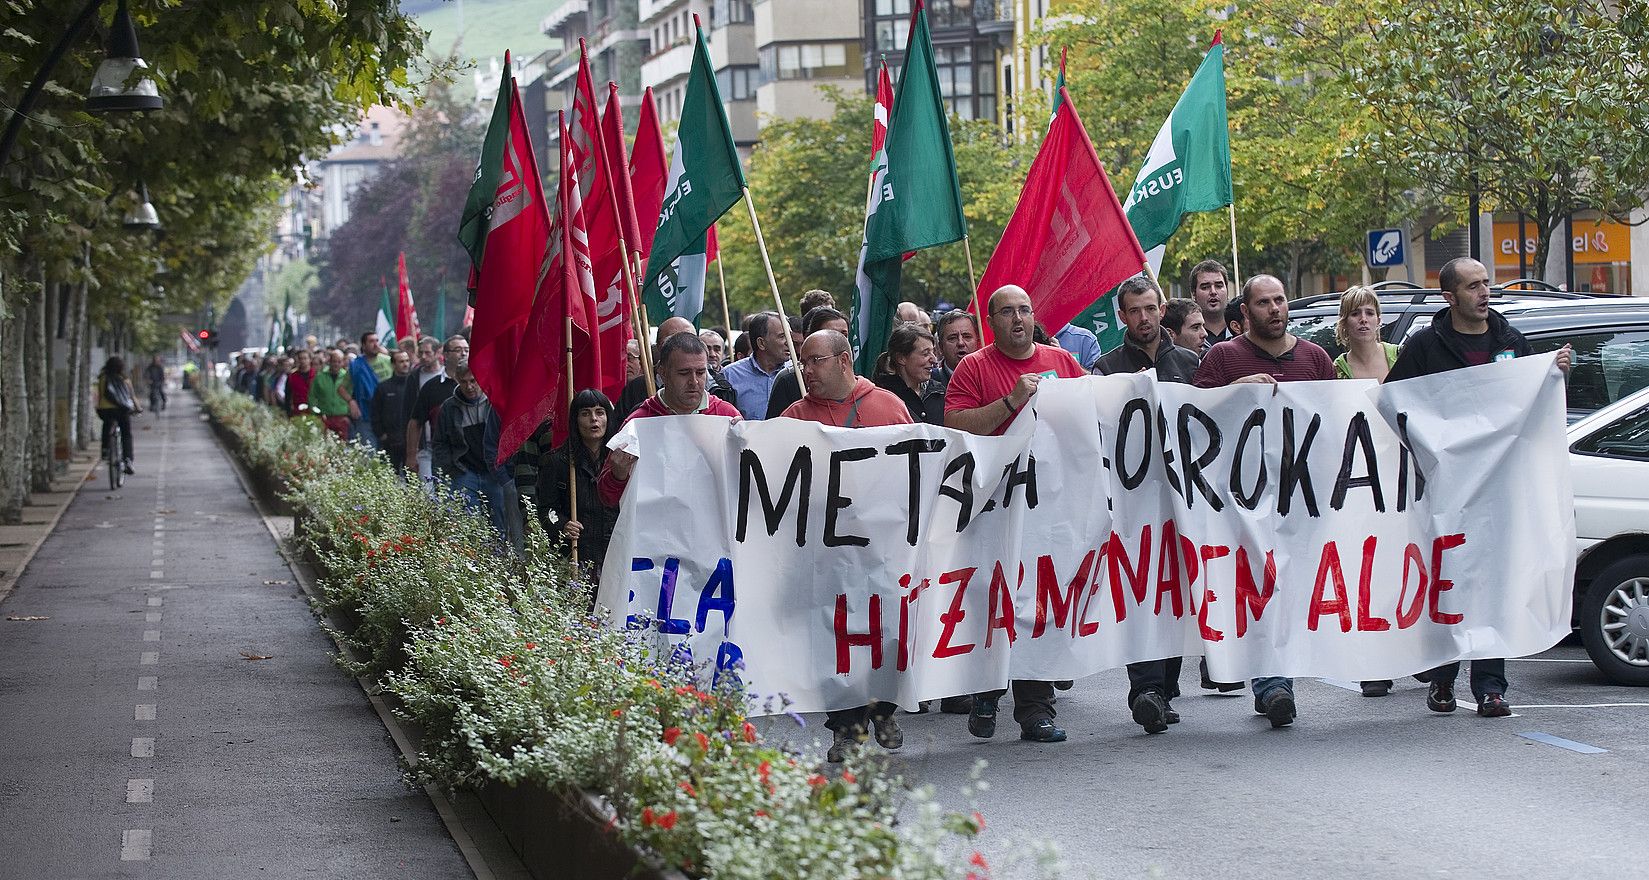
column 635, row 391
column 988, row 389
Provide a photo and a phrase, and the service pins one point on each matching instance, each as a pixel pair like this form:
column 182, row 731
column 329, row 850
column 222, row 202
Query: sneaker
column 1224, row 687
column 1151, row 712
column 982, row 718
column 889, row 735
column 1493, row 706
column 843, row 745
column 956, row 705
column 1278, row 707
column 126, row 468
column 1171, row 716
column 1440, row 696
column 1376, row 688
column 1042, row 731
column 1063, row 685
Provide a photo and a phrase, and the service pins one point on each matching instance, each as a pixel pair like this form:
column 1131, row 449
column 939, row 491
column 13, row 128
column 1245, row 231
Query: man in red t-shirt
column 987, row 390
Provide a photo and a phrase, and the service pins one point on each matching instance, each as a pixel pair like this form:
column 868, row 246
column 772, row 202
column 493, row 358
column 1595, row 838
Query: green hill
column 488, row 27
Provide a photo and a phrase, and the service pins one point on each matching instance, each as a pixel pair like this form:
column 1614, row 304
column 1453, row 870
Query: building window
column 726, row 12
column 950, row 13
column 737, row 83
column 809, row 61
column 892, row 7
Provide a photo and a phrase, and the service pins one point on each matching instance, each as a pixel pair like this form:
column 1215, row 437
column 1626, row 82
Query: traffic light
column 208, row 338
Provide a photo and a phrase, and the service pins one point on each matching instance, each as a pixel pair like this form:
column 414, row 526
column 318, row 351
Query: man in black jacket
column 1465, row 334
column 1152, row 684
column 388, row 408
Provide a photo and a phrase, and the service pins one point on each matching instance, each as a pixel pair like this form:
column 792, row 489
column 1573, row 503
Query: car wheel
column 1614, row 621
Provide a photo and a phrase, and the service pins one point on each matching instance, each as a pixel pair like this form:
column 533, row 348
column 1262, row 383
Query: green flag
column 705, row 180
column 1188, row 169
column 384, row 325
column 477, row 217
column 916, row 202
column 289, row 323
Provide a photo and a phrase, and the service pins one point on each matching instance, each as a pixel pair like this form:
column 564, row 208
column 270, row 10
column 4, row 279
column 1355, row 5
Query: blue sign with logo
column 1385, row 248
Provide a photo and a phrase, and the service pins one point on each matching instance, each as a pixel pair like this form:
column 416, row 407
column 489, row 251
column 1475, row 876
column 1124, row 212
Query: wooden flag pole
column 1236, row 275
column 628, row 276
column 572, row 436
column 767, row 263
column 721, row 277
column 973, row 282
column 644, row 331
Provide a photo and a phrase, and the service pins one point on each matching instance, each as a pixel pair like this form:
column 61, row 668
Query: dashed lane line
column 143, row 747
column 140, row 791
column 1562, row 743
column 136, row 845
column 144, row 712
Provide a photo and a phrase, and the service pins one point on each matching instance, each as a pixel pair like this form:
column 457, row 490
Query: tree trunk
column 14, row 415
column 86, row 430
column 37, row 356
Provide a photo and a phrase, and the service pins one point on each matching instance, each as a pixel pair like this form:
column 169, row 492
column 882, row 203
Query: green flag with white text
column 705, row 180
column 917, row 202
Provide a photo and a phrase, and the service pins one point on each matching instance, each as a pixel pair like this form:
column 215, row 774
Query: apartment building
column 617, row 45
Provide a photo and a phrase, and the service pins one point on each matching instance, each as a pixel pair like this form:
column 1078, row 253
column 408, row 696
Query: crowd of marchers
column 422, row 407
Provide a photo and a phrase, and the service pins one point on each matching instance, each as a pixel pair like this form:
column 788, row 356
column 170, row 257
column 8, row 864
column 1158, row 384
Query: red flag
column 598, row 195
column 1068, row 241
column 566, row 289
column 612, row 135
column 517, row 235
column 712, row 247
column 884, row 109
column 649, row 170
column 406, row 314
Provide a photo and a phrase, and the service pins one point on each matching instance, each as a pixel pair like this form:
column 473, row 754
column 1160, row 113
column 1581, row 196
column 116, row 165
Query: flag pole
column 973, row 282
column 1236, row 275
column 624, row 250
column 572, row 471
column 767, row 263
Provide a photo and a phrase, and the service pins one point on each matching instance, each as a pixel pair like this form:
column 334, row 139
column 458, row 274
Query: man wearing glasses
column 987, row 391
column 455, row 354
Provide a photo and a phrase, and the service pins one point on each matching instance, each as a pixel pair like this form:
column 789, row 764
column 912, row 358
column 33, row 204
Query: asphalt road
column 178, row 714
column 1357, row 788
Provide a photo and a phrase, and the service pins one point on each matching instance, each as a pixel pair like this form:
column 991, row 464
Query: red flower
column 671, row 734
column 816, row 780
column 761, row 814
column 703, row 741
column 646, row 817
column 763, row 769
column 849, row 778
column 978, row 860
column 618, row 713
column 531, row 645
column 978, row 820
column 688, row 787
column 506, row 661
column 749, row 732
column 667, row 821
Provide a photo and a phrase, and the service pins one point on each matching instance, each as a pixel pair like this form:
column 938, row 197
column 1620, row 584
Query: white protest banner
column 1282, row 531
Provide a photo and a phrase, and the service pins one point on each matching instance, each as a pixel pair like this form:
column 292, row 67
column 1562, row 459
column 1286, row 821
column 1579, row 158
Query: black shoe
column 982, row 717
column 1063, row 685
column 1279, row 707
column 845, row 743
column 1171, row 716
column 956, row 705
column 126, row 468
column 1440, row 696
column 1376, row 688
column 889, row 735
column 1493, row 706
column 1224, row 687
column 1042, row 731
column 1151, row 712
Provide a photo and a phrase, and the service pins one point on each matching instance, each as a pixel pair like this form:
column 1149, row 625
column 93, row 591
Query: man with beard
column 1266, row 354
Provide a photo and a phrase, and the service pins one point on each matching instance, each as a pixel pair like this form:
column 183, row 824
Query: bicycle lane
column 176, row 712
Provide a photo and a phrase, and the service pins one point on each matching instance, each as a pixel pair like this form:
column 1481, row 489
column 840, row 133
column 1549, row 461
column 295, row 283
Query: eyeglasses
column 819, row 359
column 1014, row 311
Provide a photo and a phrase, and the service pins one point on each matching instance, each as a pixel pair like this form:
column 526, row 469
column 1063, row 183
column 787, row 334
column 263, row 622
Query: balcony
column 671, row 64
column 651, row 9
column 993, row 16
column 555, row 21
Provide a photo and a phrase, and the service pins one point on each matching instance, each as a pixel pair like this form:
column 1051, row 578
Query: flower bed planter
column 563, row 834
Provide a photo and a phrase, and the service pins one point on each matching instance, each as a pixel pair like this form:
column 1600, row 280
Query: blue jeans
column 476, row 489
column 1263, row 686
column 360, row 430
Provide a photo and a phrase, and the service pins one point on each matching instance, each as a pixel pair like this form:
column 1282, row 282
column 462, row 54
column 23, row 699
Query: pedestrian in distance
column 1465, row 333
column 989, row 388
column 837, row 398
column 154, row 375
column 426, row 406
column 1266, row 354
column 365, row 372
column 590, row 527
column 387, row 403
column 752, row 378
column 1183, row 318
column 116, row 404
column 298, row 383
column 958, row 335
column 1148, row 347
column 330, row 397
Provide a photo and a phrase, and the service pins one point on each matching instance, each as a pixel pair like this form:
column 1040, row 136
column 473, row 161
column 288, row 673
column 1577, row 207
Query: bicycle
column 157, row 398
column 112, row 455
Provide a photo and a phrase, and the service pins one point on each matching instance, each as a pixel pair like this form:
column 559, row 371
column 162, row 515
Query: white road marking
column 156, row 601
column 149, row 658
column 1586, row 706
column 151, row 617
column 147, row 682
column 1562, row 743
column 143, row 747
column 144, row 712
column 156, row 575
column 1546, row 660
column 140, row 791
column 151, row 635
column 136, row 845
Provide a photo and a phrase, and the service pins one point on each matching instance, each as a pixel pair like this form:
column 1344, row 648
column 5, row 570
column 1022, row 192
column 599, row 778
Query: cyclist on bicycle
column 115, row 406
column 155, row 376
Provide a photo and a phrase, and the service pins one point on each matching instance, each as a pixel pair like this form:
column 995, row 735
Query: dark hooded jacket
column 1440, row 348
column 1173, row 363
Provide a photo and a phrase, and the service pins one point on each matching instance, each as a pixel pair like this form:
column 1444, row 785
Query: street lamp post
column 109, row 90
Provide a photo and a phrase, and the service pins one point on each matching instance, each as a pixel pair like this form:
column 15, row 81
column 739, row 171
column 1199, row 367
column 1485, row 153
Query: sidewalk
column 174, row 710
column 18, row 543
